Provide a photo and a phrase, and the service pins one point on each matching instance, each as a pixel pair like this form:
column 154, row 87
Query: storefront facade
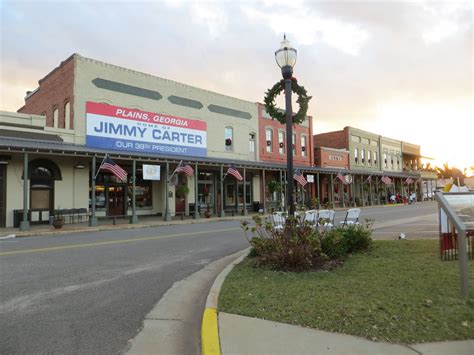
column 51, row 150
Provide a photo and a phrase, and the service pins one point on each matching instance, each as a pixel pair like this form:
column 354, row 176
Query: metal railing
column 457, row 229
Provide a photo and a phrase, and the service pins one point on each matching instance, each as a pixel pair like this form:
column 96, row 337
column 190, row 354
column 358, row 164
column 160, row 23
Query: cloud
column 308, row 27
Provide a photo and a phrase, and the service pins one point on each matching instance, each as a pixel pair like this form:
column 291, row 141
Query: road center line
column 110, row 242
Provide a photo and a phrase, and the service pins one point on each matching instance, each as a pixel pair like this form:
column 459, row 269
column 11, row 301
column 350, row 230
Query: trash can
column 255, row 206
column 17, row 218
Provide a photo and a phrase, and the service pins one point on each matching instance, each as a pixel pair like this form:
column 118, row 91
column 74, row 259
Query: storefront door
column 116, row 199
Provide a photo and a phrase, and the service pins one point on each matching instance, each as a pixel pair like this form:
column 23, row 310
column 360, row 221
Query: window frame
column 55, row 116
column 304, row 139
column 229, row 148
column 281, row 150
column 269, row 147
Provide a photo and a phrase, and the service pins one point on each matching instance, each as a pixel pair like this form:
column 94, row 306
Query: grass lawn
column 399, row 292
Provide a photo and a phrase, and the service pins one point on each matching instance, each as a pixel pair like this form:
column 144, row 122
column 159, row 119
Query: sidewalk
column 224, row 333
column 144, row 222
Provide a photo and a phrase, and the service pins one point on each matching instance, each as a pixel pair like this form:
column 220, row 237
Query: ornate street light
column 286, row 60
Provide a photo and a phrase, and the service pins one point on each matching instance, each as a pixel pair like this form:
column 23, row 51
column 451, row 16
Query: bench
column 73, row 214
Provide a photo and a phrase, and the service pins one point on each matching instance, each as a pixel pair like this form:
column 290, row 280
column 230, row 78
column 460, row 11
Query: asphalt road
column 88, row 293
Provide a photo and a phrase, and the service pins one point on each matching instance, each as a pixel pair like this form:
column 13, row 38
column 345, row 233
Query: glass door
column 115, row 201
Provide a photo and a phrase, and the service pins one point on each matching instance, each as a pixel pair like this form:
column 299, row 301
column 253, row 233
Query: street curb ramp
column 210, row 342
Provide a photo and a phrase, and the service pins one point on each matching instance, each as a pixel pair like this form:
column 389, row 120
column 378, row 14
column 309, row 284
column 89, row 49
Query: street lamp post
column 286, row 59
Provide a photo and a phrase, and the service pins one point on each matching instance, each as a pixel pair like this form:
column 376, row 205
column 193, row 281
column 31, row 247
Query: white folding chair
column 326, row 218
column 278, row 221
column 352, row 217
column 310, row 217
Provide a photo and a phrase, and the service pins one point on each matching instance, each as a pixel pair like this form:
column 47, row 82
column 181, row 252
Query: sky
column 401, row 69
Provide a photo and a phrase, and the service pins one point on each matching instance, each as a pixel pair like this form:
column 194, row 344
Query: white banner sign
column 151, row 172
column 310, row 178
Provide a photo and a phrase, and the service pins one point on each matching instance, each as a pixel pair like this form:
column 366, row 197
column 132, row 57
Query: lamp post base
column 134, row 219
column 93, row 222
column 24, row 225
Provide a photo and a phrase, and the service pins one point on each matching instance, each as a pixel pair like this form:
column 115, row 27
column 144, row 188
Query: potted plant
column 181, row 191
column 207, row 212
column 58, row 219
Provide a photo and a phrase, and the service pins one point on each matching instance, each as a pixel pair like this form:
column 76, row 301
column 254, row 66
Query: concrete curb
column 210, row 343
column 9, row 236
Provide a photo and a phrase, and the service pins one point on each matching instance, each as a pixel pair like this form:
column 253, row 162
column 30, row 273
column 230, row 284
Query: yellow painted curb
column 210, row 333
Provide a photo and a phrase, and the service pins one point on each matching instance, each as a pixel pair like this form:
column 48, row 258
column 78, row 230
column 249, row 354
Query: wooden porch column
column 196, row 200
column 264, row 204
column 318, row 188
column 167, row 197
column 25, row 224
column 244, row 211
column 134, row 218
column 222, row 213
column 93, row 219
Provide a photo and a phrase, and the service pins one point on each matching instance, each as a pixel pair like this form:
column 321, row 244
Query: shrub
column 357, row 238
column 298, row 246
column 333, row 243
column 295, row 247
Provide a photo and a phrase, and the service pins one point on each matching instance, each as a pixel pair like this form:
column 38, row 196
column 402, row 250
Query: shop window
column 42, row 174
column 304, row 152
column 281, row 142
column 41, row 188
column 111, row 194
column 269, row 140
column 55, row 117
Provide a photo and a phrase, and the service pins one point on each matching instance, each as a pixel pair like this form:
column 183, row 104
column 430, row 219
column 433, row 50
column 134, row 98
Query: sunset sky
column 400, row 69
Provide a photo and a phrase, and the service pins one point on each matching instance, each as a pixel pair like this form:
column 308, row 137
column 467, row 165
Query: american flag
column 409, row 181
column 234, row 172
column 184, row 168
column 112, row 167
column 369, row 179
column 342, row 178
column 386, row 180
column 298, row 176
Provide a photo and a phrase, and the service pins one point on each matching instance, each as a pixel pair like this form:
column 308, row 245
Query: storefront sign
column 310, row 178
column 151, row 172
column 120, row 128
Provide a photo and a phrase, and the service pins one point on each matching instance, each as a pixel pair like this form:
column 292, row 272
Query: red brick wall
column 321, row 158
column 275, row 156
column 337, row 139
column 55, row 89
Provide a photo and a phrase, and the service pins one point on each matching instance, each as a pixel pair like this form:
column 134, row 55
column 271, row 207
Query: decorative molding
column 126, row 89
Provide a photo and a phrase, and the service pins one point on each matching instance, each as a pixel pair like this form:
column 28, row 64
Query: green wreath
column 303, row 100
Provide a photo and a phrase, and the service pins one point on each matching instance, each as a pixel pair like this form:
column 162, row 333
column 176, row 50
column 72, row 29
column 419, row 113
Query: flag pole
column 102, row 162
column 174, row 172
